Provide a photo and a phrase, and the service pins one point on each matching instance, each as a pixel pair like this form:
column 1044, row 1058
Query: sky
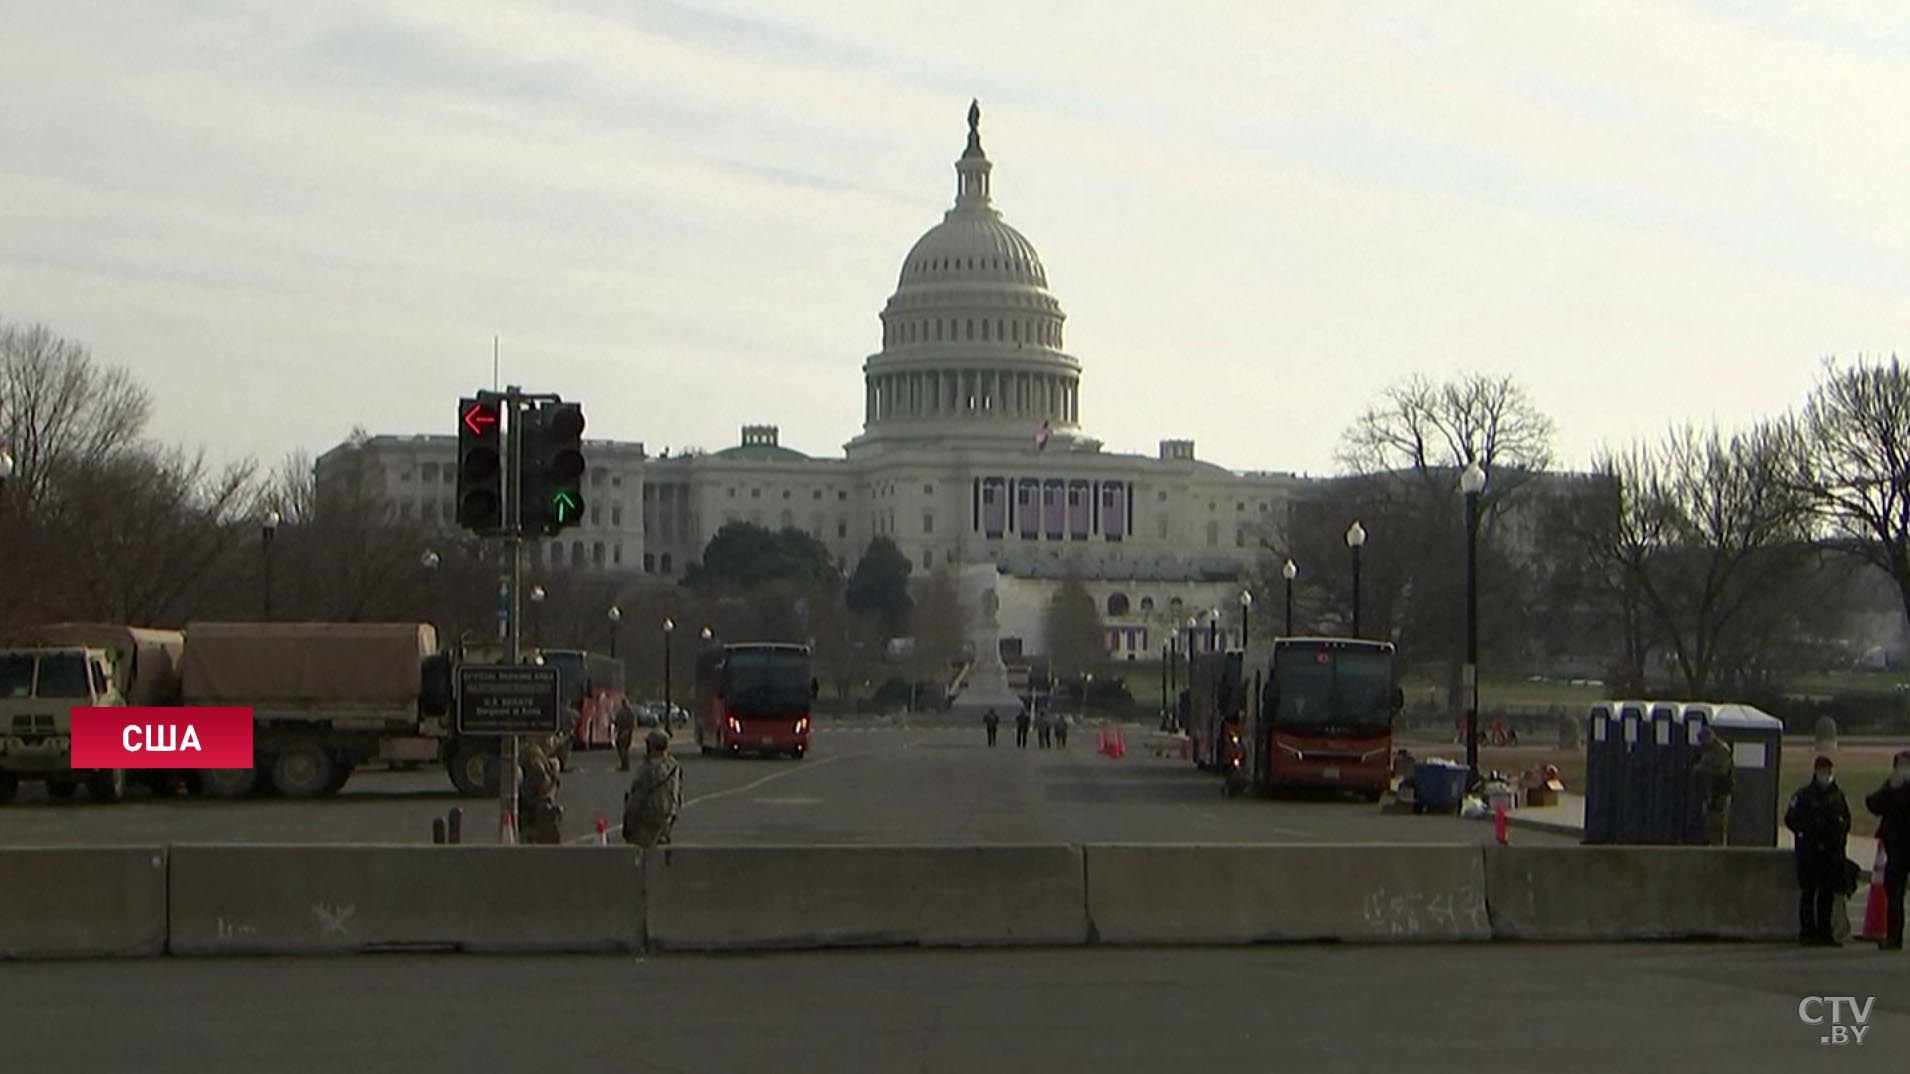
column 288, row 220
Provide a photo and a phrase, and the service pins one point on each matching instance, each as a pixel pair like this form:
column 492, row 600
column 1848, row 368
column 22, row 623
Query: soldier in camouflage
column 1715, row 770
column 655, row 798
column 539, row 818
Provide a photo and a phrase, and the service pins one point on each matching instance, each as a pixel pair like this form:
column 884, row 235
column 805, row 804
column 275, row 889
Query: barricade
column 1231, row 894
column 341, row 899
column 715, row 898
column 1641, row 893
column 82, row 902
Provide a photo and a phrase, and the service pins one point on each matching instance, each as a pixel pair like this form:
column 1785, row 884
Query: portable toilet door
column 1696, row 717
column 1601, row 772
column 1757, row 742
column 1668, row 777
column 1633, row 780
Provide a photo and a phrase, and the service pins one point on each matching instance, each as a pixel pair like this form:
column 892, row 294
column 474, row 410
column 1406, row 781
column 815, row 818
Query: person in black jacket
column 1820, row 819
column 1891, row 802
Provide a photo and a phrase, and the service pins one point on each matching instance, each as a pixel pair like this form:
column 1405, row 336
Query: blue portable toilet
column 1668, row 777
column 1601, row 772
column 1756, row 739
column 1647, row 766
column 1632, row 778
column 1693, row 718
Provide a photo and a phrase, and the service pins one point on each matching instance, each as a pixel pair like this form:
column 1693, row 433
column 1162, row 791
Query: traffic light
column 553, row 468
column 480, row 469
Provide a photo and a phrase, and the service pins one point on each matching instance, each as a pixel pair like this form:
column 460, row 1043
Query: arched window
column 1117, row 604
column 1147, row 605
column 1014, row 330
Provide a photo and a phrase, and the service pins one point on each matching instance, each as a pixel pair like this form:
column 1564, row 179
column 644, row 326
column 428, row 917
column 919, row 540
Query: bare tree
column 1074, row 633
column 59, row 407
column 938, row 621
column 1705, row 524
column 1853, row 458
column 1430, row 432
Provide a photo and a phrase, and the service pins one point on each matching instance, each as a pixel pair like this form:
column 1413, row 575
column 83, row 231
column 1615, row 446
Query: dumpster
column 1438, row 786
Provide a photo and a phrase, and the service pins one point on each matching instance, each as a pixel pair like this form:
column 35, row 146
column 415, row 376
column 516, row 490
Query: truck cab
column 39, row 688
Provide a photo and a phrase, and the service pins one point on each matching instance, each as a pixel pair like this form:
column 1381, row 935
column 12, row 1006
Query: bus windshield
column 766, row 682
column 1344, row 691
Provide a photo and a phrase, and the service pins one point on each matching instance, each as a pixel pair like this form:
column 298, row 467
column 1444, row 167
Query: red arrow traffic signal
column 478, row 416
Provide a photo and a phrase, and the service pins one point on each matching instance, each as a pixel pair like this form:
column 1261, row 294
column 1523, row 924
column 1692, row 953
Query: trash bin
column 1438, row 786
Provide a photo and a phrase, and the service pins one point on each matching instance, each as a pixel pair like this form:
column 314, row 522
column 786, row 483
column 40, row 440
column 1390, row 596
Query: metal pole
column 514, row 548
column 1164, row 660
column 265, row 543
column 1470, row 681
column 669, row 719
column 1246, row 615
column 1356, row 591
column 1289, row 607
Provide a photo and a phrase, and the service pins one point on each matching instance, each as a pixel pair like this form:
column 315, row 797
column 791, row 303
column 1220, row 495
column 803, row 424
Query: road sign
column 507, row 699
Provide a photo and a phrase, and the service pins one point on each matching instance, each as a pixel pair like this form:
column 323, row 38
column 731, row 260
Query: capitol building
column 974, row 450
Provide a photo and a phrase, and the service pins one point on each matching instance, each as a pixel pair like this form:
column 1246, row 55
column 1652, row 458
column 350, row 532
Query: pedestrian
column 1044, row 729
column 626, row 725
column 655, row 798
column 992, row 723
column 1061, row 730
column 1715, row 771
column 539, row 818
column 1820, row 819
column 1021, row 729
column 1891, row 804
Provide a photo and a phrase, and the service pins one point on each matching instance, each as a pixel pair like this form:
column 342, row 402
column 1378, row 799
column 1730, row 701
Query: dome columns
column 967, row 394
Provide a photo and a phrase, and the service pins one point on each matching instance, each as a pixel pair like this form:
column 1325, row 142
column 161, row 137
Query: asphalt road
column 875, row 784
column 1418, row 1009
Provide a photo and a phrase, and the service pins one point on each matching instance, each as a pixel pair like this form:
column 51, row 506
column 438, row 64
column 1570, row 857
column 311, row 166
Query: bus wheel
column 1234, row 787
column 228, row 782
column 798, row 753
column 108, row 784
column 303, row 770
column 61, row 788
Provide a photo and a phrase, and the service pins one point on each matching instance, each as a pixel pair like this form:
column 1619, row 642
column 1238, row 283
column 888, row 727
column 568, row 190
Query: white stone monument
column 986, row 686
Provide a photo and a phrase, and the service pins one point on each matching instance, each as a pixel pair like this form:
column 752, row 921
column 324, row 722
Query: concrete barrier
column 340, row 899
column 82, row 902
column 1230, row 894
column 1640, row 893
column 715, row 898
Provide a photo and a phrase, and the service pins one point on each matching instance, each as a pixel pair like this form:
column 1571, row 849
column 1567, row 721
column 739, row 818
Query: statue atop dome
column 974, row 129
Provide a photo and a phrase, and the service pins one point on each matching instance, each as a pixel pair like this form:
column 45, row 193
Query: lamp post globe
column 1355, row 540
column 6, row 465
column 1246, row 613
column 1290, row 571
column 268, row 529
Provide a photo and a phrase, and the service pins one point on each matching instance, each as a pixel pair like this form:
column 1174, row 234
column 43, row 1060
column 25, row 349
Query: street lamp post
column 1290, row 571
column 616, row 616
column 1356, row 537
column 1213, row 630
column 1193, row 638
column 266, row 532
column 1167, row 656
column 1246, row 613
column 1472, row 483
column 669, row 710
column 537, row 605
column 429, row 561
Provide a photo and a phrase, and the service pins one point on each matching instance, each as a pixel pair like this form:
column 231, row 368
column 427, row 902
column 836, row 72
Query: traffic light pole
column 513, row 605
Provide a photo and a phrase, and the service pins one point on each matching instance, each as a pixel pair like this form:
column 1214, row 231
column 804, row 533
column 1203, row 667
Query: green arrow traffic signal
column 565, row 505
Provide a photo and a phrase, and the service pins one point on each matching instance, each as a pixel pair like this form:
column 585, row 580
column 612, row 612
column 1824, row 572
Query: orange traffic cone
column 603, row 832
column 507, row 829
column 1101, row 743
column 1120, row 743
column 1875, row 925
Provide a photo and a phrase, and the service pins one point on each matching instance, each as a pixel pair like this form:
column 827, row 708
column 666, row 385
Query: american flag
column 1041, row 436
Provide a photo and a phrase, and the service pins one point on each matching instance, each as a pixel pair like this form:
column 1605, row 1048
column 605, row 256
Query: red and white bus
column 1325, row 718
column 754, row 698
column 592, row 686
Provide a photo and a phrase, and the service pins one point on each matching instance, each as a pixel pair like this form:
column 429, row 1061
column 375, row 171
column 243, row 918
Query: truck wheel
column 61, row 788
column 228, row 782
column 303, row 770
column 473, row 767
column 107, row 785
column 9, row 786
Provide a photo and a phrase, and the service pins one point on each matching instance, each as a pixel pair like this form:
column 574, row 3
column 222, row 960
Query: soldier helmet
column 657, row 742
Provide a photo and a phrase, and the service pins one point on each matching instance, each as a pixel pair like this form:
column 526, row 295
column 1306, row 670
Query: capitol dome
column 972, row 337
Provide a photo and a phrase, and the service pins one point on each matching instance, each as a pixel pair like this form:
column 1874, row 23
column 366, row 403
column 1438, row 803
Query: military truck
column 328, row 697
column 47, row 671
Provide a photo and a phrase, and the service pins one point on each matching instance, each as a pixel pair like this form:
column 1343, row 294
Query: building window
column 755, row 494
column 928, row 490
column 576, row 553
column 616, row 514
column 786, row 494
column 928, row 559
column 597, row 554
column 788, row 519
column 1162, row 526
column 616, row 553
column 928, row 522
column 842, row 495
column 596, row 514
column 1117, row 604
column 842, row 527
column 616, row 481
column 732, row 492
column 1147, row 605
column 818, row 494
column 1240, row 507
column 1240, row 538
column 1213, row 535
column 649, row 563
column 428, row 471
column 666, row 562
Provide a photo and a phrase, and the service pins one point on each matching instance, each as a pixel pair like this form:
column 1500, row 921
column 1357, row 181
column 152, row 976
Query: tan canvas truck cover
column 306, row 665
column 146, row 662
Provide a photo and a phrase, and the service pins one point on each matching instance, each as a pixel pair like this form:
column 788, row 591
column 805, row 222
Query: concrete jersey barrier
column 1232, row 894
column 1641, row 893
column 715, row 898
column 82, row 902
column 230, row 900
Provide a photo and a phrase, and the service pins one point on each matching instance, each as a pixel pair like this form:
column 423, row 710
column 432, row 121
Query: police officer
column 1715, row 771
column 991, row 723
column 1820, row 819
column 539, row 818
column 626, row 726
column 655, row 797
column 1021, row 729
column 1891, row 802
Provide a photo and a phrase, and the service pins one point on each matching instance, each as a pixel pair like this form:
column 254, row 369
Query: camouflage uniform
column 539, row 818
column 1716, row 771
column 655, row 797
column 626, row 725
